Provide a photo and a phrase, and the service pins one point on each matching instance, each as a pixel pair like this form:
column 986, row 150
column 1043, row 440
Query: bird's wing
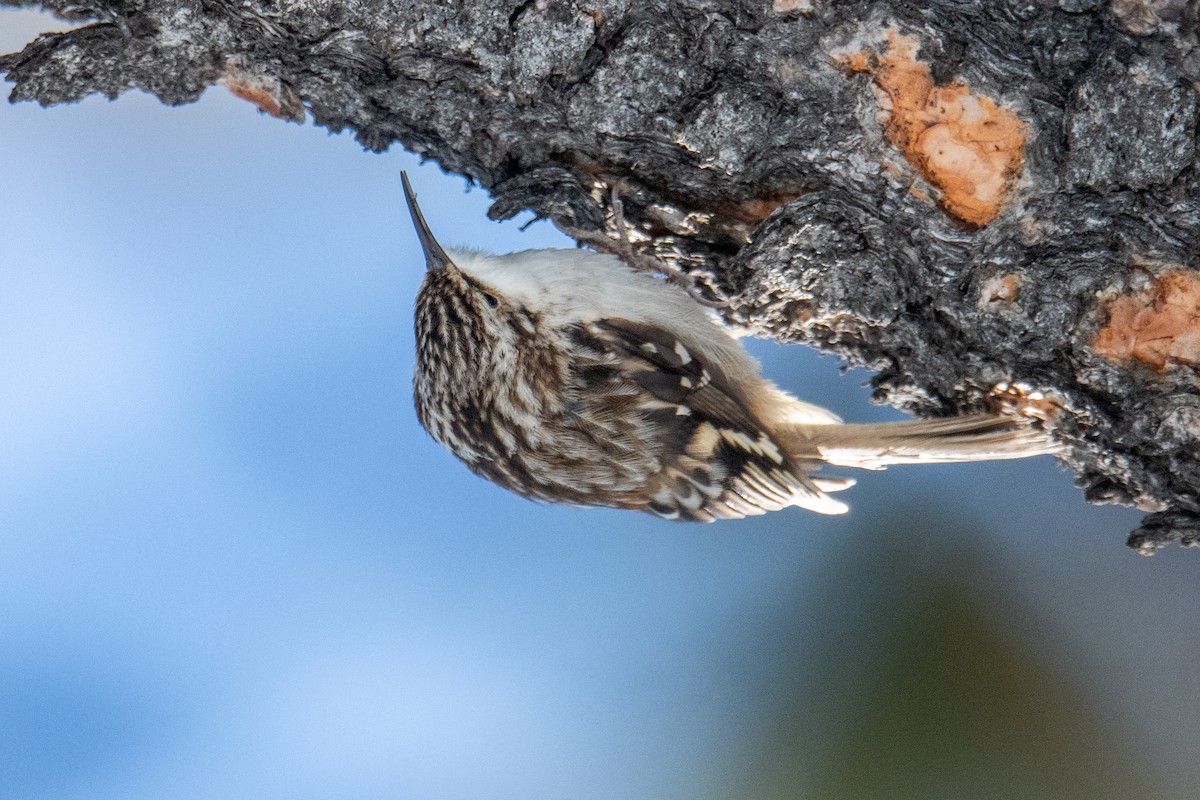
column 717, row 460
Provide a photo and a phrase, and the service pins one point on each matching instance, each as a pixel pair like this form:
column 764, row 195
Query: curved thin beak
column 435, row 257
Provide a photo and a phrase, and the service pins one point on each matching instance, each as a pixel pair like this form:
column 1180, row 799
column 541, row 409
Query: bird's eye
column 491, row 299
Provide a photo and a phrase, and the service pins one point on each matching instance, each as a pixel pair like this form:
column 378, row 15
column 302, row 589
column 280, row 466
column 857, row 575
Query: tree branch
column 990, row 203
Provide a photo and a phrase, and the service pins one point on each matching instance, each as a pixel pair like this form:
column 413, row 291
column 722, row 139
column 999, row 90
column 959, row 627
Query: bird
column 568, row 376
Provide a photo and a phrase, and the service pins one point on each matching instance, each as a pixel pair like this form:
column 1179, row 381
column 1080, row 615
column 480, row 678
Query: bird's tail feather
column 978, row 437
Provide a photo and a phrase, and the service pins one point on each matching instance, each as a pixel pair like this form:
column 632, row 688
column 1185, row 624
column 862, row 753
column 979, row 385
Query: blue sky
column 232, row 564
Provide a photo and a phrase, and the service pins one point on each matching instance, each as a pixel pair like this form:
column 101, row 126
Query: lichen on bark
column 750, row 150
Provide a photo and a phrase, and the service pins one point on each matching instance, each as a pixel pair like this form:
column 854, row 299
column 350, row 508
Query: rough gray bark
column 748, row 147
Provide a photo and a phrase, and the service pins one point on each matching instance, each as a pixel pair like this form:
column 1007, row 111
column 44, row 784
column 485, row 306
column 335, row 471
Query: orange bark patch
column 265, row 101
column 964, row 144
column 858, row 62
column 1001, row 289
column 755, row 210
column 1159, row 326
column 268, row 94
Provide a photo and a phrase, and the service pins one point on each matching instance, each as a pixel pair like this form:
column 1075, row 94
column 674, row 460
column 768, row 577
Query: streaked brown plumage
column 566, row 376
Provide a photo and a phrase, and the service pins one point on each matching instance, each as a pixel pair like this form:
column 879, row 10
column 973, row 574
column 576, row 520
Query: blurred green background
column 232, row 565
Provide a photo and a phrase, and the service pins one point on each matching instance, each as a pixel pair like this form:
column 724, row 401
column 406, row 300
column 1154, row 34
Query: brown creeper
column 565, row 375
